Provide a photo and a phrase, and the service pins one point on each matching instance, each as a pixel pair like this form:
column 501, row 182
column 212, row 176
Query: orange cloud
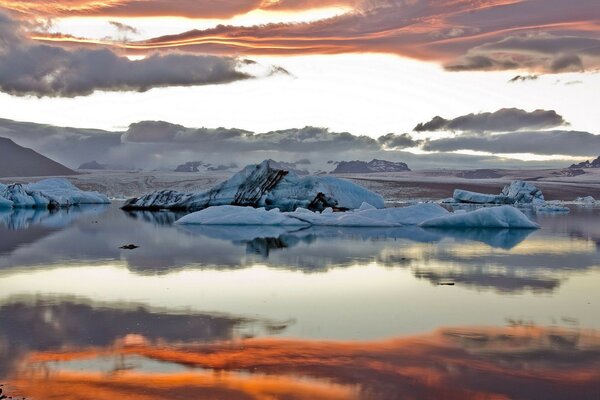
column 460, row 363
column 537, row 35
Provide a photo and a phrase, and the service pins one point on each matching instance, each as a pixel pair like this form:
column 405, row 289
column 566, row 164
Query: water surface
column 253, row 312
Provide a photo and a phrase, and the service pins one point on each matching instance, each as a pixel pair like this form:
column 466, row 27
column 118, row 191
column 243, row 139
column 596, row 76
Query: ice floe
column 47, row 193
column 517, row 192
column 493, row 217
column 424, row 215
column 234, row 215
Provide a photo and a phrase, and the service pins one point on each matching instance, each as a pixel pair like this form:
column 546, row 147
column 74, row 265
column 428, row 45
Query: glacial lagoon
column 319, row 312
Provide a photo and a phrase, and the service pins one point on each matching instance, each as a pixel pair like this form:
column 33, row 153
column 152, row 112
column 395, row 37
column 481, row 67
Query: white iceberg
column 517, row 192
column 521, row 192
column 387, row 217
column 47, row 193
column 234, row 215
column 587, row 200
column 465, row 196
column 554, row 208
column 424, row 215
column 368, row 217
column 269, row 185
column 494, row 217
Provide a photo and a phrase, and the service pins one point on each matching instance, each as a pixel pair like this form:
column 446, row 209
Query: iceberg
column 495, row 217
column 517, row 192
column 465, row 196
column 587, row 200
column 47, row 193
column 387, row 217
column 553, row 208
column 521, row 192
column 368, row 217
column 268, row 185
column 234, row 215
column 426, row 215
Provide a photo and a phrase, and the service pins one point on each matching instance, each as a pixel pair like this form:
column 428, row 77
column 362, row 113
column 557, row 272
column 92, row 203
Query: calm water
column 282, row 313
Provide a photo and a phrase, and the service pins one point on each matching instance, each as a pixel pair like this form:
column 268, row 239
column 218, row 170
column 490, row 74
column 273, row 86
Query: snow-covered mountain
column 19, row 161
column 375, row 165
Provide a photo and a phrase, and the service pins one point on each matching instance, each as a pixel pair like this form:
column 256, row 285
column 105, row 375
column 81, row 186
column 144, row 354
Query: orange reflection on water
column 458, row 363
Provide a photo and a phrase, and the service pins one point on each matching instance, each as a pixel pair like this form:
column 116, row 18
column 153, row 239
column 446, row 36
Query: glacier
column 47, row 193
column 423, row 215
column 268, row 185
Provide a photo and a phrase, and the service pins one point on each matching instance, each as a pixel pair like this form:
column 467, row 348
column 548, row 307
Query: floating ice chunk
column 18, row 196
column 48, row 193
column 585, row 200
column 267, row 184
column 552, row 208
column 388, row 217
column 234, row 215
column 64, row 193
column 521, row 192
column 465, row 196
column 517, row 192
column 493, row 217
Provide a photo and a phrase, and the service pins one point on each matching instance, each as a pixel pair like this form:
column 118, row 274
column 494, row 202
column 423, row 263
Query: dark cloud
column 307, row 139
column 394, row 141
column 541, row 51
column 503, row 120
column 28, row 68
column 156, row 144
column 572, row 143
column 123, row 28
column 523, row 78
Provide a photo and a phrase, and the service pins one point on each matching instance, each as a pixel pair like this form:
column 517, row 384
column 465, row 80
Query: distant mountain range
column 373, row 166
column 588, row 164
column 199, row 166
column 18, row 161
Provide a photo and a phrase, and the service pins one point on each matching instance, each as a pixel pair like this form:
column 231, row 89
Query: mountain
column 587, row 164
column 93, row 165
column 363, row 167
column 18, row 161
column 190, row 166
column 199, row 166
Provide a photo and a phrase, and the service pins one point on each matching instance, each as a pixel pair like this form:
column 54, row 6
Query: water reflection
column 24, row 218
column 501, row 260
column 81, row 318
column 449, row 363
column 57, row 323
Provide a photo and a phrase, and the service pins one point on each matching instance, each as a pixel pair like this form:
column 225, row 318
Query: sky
column 435, row 83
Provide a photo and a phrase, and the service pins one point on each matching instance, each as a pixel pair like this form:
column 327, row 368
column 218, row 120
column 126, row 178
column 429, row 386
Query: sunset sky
column 512, row 80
